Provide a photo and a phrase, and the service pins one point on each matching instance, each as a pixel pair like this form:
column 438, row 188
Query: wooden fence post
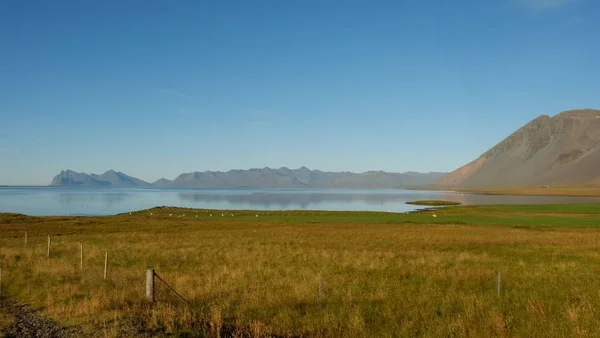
column 499, row 283
column 105, row 263
column 48, row 253
column 25, row 239
column 80, row 256
column 150, row 285
column 320, row 286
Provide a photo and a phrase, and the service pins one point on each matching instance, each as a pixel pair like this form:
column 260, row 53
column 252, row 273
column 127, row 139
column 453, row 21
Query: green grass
column 384, row 274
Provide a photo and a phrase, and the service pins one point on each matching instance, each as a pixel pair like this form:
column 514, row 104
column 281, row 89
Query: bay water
column 46, row 201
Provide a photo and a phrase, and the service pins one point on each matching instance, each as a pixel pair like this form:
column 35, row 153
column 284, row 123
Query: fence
column 152, row 276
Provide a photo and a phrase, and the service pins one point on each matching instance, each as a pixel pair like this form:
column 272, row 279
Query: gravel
column 28, row 323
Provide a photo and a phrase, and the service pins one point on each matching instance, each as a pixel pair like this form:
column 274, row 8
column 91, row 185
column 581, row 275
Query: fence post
column 150, row 285
column 80, row 256
column 48, row 253
column 499, row 283
column 25, row 239
column 105, row 263
column 320, row 282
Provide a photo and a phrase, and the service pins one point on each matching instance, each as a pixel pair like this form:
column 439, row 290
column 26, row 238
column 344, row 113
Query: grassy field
column 256, row 273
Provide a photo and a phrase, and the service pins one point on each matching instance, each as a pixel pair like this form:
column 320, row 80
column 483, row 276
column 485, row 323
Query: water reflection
column 298, row 200
column 106, row 200
column 83, row 201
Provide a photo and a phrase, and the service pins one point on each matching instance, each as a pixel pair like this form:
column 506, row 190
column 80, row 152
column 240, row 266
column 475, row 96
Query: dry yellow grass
column 259, row 275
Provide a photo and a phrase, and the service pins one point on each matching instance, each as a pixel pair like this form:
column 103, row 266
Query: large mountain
column 559, row 150
column 255, row 178
column 111, row 178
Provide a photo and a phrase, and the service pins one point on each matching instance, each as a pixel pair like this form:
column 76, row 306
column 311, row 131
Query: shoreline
column 525, row 191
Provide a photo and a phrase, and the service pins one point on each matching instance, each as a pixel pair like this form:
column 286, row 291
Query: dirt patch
column 6, row 318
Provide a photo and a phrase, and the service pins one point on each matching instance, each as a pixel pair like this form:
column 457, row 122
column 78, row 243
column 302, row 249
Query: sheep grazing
column 434, row 215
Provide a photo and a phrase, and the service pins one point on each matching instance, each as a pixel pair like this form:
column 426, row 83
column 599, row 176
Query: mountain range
column 252, row 178
column 560, row 150
column 548, row 151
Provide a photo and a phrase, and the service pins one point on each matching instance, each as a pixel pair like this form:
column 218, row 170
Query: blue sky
column 157, row 88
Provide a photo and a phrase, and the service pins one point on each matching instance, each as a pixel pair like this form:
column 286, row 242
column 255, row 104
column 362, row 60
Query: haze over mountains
column 559, row 150
column 253, row 178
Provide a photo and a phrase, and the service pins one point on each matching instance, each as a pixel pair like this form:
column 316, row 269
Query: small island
column 435, row 203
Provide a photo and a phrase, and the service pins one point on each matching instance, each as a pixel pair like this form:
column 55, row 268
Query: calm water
column 94, row 201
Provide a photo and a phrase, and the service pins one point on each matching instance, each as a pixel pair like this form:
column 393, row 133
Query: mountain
column 110, row 179
column 559, row 150
column 163, row 182
column 254, row 178
column 299, row 178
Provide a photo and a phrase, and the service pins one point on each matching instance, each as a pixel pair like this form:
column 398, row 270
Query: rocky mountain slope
column 559, row 150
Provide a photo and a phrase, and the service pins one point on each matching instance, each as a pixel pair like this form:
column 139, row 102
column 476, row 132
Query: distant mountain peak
column 161, row 182
column 580, row 113
column 110, row 179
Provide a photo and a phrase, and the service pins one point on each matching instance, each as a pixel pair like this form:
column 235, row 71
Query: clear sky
column 156, row 88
